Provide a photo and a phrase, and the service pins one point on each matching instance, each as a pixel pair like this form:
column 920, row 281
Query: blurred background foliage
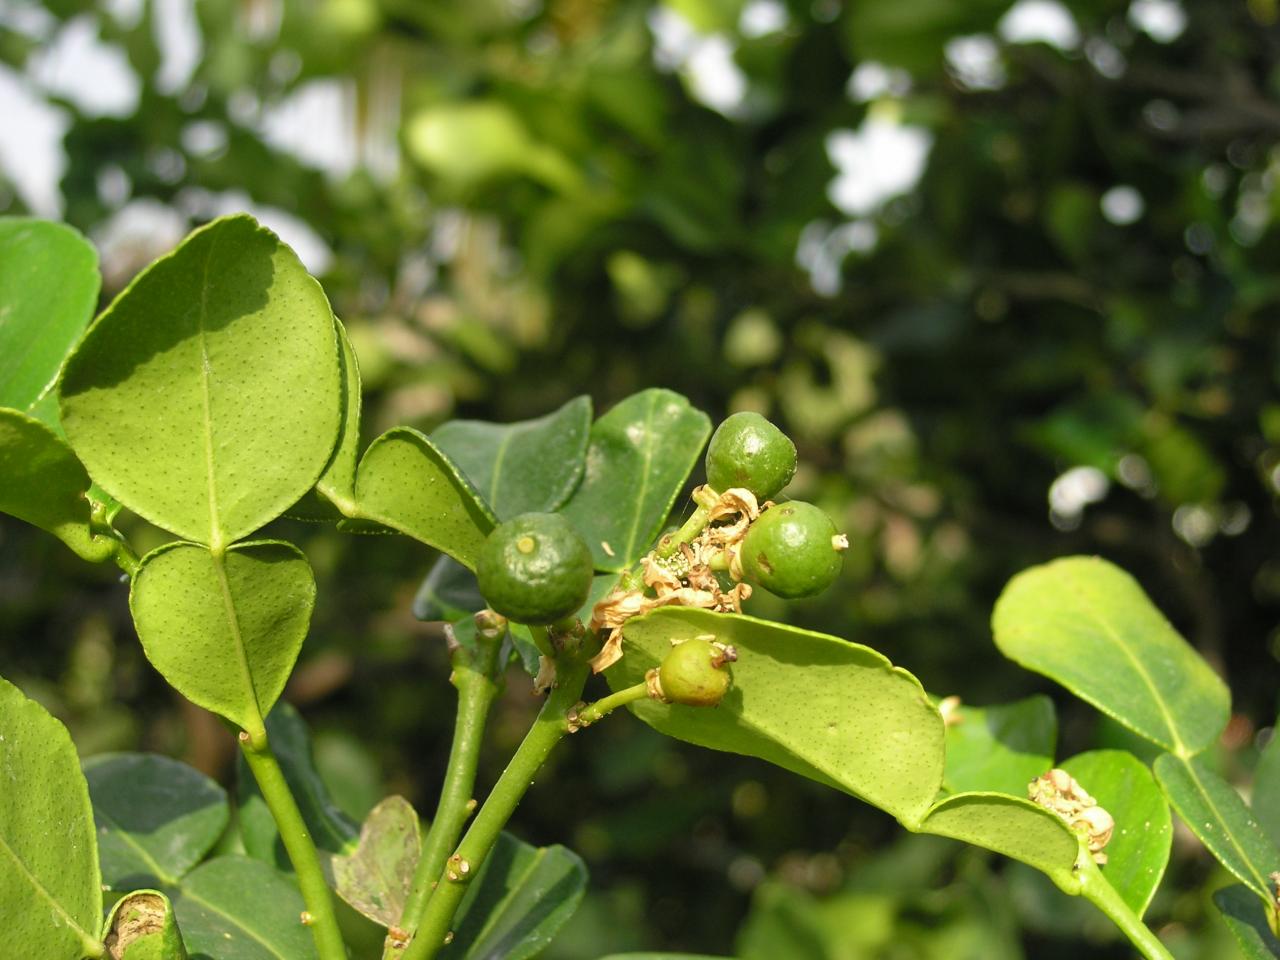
column 1007, row 273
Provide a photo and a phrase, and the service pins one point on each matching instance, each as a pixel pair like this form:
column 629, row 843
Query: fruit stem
column 601, row 708
column 1095, row 888
column 705, row 498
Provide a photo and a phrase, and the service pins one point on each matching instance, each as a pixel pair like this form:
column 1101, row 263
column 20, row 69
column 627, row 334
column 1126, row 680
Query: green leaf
column 375, row 878
column 1139, row 849
column 50, row 892
column 237, row 908
column 533, row 465
column 45, row 485
column 1266, row 790
column 142, row 926
column 1247, row 920
column 1087, row 624
column 639, row 456
column 405, row 483
column 48, row 292
column 520, row 899
column 225, row 630
column 1000, row 748
column 662, row 956
column 332, row 830
column 817, row 705
column 157, row 818
column 449, row 592
column 207, row 397
column 1218, row 816
column 1012, row 826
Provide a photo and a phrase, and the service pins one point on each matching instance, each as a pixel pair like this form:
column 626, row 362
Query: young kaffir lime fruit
column 748, row 451
column 535, row 569
column 793, row 550
column 693, row 674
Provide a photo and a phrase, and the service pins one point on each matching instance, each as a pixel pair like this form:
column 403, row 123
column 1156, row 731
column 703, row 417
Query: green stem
column 696, row 523
column 1095, row 888
column 474, row 676
column 594, row 712
column 548, row 730
column 300, row 847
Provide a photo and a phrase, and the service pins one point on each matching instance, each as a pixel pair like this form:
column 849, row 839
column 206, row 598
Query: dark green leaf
column 375, row 878
column 533, row 465
column 639, row 456
column 156, row 817
column 1000, row 748
column 449, row 592
column 142, row 926
column 1266, row 790
column 1247, row 920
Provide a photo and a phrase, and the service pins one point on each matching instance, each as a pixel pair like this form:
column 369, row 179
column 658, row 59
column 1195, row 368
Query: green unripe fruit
column 748, row 451
column 694, row 675
column 535, row 569
column 793, row 550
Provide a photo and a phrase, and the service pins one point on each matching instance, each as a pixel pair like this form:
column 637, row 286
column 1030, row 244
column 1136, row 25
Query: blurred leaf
column 532, row 465
column 834, row 711
column 1000, row 748
column 638, row 459
column 142, row 926
column 1266, row 789
column 1087, row 624
column 1247, row 921
column 912, row 35
column 449, row 592
column 376, row 877
column 156, row 818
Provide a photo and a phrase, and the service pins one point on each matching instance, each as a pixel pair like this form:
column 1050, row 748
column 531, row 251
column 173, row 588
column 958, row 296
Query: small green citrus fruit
column 535, row 569
column 694, row 675
column 748, row 451
column 793, row 550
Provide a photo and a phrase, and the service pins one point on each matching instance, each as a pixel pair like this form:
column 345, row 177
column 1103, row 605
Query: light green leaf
column 405, row 483
column 1247, row 920
column 1139, row 849
column 1218, row 816
column 817, row 705
column 1266, row 790
column 50, row 892
column 1012, row 826
column 237, row 908
column 1087, row 624
column 48, row 292
column 225, row 630
column 45, row 485
column 520, row 899
column 142, row 926
column 375, row 878
column 156, row 817
column 183, row 400
column 1000, row 748
column 331, row 829
column 533, row 465
column 639, row 456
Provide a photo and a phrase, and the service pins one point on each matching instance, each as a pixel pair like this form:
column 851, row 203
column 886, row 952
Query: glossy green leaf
column 405, row 483
column 50, row 893
column 332, row 830
column 1139, row 849
column 142, row 926
column 532, row 465
column 1012, row 826
column 45, row 485
column 1218, row 816
column 1266, row 790
column 376, row 877
column 1087, row 624
column 1000, row 748
column 817, row 705
column 156, row 818
column 48, row 292
column 225, row 630
column 183, row 400
column 639, row 456
column 519, row 900
column 1247, row 920
column 238, row 908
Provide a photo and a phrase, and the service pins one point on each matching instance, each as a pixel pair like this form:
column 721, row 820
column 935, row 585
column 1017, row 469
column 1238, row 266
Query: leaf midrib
column 158, row 871
column 1189, row 766
column 215, row 534
column 644, row 481
column 234, row 921
column 40, row 889
column 491, row 920
column 237, row 636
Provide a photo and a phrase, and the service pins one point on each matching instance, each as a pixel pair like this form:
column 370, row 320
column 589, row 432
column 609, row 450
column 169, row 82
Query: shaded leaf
column 156, row 817
column 225, row 630
column 1266, row 790
column 449, row 592
column 533, row 465
column 376, row 877
column 1139, row 849
column 247, row 426
column 1087, row 624
column 48, row 292
column 237, row 908
column 1000, row 748
column 142, row 926
column 50, row 893
column 639, row 456
column 817, row 705
column 1246, row 919
column 406, row 484
column 519, row 900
